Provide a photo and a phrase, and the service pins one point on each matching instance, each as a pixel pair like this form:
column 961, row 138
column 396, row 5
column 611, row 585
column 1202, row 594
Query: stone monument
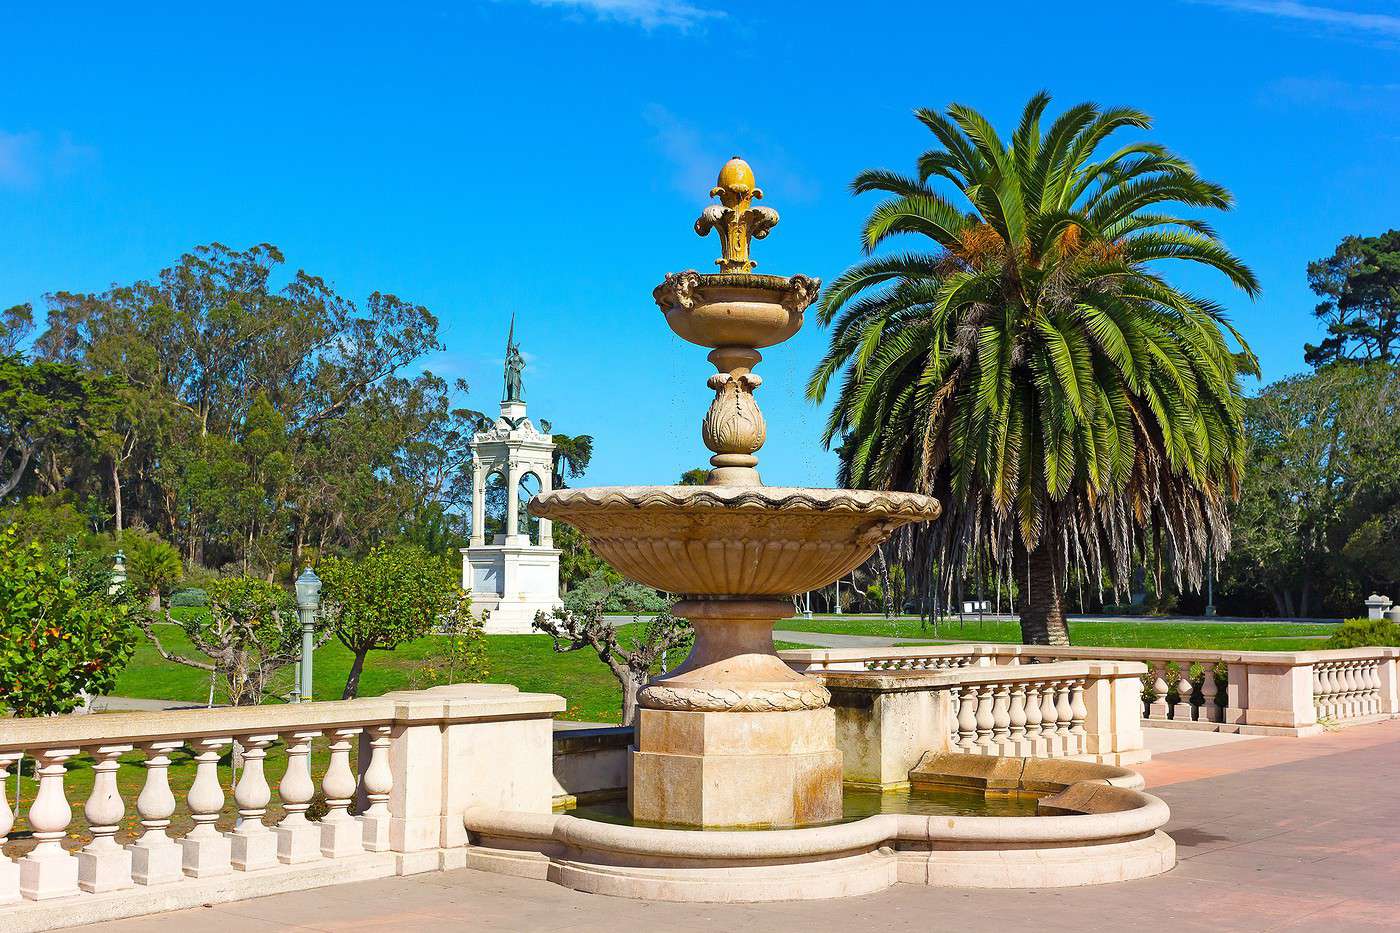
column 511, row 577
column 733, row 736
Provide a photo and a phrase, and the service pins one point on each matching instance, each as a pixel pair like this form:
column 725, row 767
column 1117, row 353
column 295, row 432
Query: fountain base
column 700, row 769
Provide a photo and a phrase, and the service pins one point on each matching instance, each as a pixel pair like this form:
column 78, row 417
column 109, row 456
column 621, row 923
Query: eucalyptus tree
column 1028, row 364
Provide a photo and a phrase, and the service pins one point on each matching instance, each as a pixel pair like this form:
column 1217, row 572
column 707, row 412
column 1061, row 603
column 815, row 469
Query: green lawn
column 1220, row 636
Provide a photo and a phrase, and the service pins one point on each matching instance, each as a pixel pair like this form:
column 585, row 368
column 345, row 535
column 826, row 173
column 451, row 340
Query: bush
column 153, row 565
column 1365, row 633
column 191, row 597
column 61, row 634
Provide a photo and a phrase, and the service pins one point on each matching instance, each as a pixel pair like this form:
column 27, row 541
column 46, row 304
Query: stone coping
column 452, row 703
column 1134, row 814
column 895, row 681
column 1086, row 652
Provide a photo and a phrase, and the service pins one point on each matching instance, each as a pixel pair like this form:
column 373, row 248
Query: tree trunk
column 886, row 591
column 117, row 498
column 631, row 685
column 352, row 683
column 1043, row 611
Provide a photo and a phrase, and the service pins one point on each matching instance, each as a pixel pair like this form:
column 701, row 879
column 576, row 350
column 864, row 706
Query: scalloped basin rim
column 910, row 505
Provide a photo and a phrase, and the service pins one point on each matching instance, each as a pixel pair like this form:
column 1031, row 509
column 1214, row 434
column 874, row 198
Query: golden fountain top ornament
column 735, row 217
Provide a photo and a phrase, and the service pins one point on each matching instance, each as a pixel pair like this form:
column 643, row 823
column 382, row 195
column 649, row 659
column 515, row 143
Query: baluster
column 1020, row 746
column 206, row 852
column 340, row 833
column 1078, row 714
column 298, row 839
column 1185, row 692
column 1157, row 709
column 1329, row 691
column 1048, row 715
column 9, row 871
column 1001, row 717
column 985, row 720
column 155, row 858
column 48, row 871
column 376, row 782
column 967, row 719
column 1341, row 696
column 103, row 865
column 1318, row 692
column 253, row 845
column 1033, row 742
column 1064, row 712
column 1373, row 688
column 1210, row 691
column 1353, row 675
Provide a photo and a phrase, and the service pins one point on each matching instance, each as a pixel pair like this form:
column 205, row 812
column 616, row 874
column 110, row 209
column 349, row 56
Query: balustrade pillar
column 1001, row 717
column 1078, row 712
column 253, row 845
column 1185, row 692
column 1048, row 716
column 102, row 864
column 298, row 839
column 1210, row 689
column 1034, row 744
column 1020, row 745
column 341, row 834
column 1157, row 709
column 967, row 719
column 985, row 721
column 155, row 858
column 207, row 852
column 376, row 783
column 9, row 871
column 49, row 871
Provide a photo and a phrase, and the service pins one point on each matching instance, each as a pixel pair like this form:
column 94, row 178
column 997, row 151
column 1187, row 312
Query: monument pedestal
column 510, row 583
column 735, row 769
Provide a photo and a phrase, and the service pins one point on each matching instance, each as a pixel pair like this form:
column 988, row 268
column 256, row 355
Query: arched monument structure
column 516, row 573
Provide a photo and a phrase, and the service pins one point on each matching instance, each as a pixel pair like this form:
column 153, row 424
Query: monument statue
column 515, row 363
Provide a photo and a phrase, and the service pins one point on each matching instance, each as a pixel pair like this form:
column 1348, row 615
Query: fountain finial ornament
column 735, row 217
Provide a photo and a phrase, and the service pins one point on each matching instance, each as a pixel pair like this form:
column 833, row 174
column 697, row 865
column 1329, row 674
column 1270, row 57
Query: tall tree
column 1359, row 285
column 1030, row 367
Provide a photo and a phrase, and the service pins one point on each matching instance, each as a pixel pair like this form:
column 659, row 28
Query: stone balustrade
column 889, row 718
column 423, row 757
column 1260, row 692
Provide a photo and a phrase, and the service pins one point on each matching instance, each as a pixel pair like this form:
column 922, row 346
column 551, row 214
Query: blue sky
column 549, row 156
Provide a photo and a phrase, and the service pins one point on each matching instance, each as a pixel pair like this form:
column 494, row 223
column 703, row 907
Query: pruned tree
column 632, row 656
column 249, row 633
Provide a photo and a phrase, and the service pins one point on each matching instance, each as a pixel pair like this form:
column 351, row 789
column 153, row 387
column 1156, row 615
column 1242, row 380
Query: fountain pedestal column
column 734, row 737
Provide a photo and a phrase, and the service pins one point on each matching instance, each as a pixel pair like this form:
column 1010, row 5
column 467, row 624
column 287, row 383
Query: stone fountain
column 733, row 736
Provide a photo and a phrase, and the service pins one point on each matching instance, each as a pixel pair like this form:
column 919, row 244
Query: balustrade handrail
column 895, row 680
column 817, row 659
column 452, row 703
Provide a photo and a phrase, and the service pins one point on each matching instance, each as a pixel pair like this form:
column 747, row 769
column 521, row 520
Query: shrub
column 191, row 597
column 61, row 634
column 153, row 565
column 1365, row 633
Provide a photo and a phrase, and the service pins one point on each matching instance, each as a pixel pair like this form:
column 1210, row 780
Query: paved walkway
column 1272, row 834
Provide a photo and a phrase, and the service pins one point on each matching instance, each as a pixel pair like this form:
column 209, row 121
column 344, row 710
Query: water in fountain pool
column 857, row 803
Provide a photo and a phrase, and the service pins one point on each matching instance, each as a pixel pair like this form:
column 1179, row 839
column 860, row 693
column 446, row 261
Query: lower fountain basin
column 1090, row 830
column 734, row 540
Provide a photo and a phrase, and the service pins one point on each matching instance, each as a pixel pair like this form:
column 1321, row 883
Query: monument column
column 513, row 503
column 478, row 537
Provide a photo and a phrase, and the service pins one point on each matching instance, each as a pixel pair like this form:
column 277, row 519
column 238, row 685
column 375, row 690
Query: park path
column 1271, row 833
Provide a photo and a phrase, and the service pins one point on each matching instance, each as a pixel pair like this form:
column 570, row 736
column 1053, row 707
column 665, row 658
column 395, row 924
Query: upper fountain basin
column 735, row 309
column 734, row 540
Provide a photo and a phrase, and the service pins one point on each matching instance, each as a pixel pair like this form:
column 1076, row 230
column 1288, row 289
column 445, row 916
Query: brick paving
column 1272, row 834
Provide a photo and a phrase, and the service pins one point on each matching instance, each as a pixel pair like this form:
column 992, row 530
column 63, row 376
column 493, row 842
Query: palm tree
column 1031, row 368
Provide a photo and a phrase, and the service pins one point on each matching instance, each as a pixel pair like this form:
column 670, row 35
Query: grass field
column 1220, row 636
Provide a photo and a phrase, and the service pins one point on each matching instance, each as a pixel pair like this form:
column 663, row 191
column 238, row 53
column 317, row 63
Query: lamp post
column 308, row 587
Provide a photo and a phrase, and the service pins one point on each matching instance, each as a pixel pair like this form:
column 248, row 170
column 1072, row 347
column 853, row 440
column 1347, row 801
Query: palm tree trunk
column 1043, row 612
